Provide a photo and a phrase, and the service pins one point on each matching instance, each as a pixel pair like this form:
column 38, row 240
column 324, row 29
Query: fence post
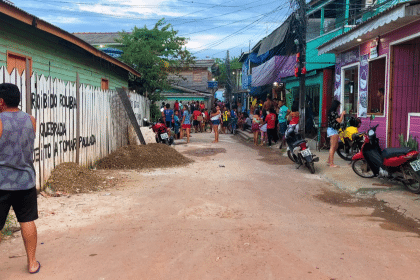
column 130, row 113
column 78, row 118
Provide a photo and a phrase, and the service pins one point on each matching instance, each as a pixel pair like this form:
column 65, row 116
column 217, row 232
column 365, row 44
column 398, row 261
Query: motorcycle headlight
column 371, row 133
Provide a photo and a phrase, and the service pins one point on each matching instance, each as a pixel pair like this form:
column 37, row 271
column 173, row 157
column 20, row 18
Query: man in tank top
column 17, row 173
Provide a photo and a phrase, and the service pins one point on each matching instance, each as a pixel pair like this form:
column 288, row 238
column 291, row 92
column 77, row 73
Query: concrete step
column 245, row 134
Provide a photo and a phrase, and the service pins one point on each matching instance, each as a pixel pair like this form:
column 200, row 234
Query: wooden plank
column 78, row 117
column 28, row 93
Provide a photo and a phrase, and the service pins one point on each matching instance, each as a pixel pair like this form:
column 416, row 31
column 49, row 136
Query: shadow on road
column 389, row 218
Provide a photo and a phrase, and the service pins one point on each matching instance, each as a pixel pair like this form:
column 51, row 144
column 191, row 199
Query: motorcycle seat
column 297, row 143
column 395, row 152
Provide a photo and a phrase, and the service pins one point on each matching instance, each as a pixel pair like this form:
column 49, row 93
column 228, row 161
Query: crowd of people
column 184, row 118
column 268, row 120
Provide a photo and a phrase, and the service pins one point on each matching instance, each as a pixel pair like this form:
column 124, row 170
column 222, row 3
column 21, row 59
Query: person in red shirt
column 196, row 122
column 207, row 118
column 176, row 106
column 202, row 106
column 271, row 125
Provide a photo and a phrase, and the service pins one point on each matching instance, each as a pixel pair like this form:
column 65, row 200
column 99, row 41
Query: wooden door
column 405, row 88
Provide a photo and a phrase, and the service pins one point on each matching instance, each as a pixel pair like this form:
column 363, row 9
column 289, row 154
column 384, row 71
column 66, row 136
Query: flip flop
column 39, row 267
column 334, row 166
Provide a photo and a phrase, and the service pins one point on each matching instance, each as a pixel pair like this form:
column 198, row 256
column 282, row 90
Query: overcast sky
column 213, row 26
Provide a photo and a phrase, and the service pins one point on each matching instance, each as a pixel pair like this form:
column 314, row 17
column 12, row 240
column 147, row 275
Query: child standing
column 177, row 124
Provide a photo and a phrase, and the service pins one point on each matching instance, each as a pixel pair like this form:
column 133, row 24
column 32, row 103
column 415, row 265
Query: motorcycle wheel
column 311, row 167
column 157, row 139
column 361, row 168
column 413, row 184
column 165, row 141
column 291, row 155
column 341, row 151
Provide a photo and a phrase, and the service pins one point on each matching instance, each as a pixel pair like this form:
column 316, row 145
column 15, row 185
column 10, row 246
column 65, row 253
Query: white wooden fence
column 103, row 122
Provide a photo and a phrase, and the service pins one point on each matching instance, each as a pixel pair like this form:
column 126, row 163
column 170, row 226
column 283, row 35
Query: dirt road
column 235, row 213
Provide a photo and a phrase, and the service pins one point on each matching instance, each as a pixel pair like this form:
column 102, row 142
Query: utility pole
column 302, row 23
column 228, row 86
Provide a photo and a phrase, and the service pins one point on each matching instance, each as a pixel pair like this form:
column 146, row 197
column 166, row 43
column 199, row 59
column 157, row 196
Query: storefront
column 378, row 71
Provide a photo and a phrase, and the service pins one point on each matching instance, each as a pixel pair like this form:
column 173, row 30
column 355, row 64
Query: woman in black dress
column 334, row 121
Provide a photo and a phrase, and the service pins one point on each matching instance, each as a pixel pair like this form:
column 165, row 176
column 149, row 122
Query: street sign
column 213, row 84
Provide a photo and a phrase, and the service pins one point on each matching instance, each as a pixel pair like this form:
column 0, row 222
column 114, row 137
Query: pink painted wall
column 414, row 129
column 383, row 49
column 360, row 54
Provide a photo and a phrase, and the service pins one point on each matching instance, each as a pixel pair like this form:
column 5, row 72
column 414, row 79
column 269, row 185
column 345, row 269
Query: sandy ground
column 235, row 213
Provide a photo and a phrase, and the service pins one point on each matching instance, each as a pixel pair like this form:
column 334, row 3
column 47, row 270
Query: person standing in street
column 334, row 121
column 271, row 125
column 256, row 121
column 186, row 124
column 226, row 117
column 177, row 124
column 283, row 113
column 168, row 114
column 176, row 105
column 17, row 186
column 215, row 120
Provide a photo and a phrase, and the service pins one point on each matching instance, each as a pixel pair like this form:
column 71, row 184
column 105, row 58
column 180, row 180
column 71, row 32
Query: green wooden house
column 27, row 41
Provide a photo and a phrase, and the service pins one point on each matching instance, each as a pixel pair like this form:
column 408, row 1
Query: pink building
column 381, row 54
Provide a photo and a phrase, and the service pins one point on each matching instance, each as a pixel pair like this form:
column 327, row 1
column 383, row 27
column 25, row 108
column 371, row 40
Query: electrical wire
column 220, row 41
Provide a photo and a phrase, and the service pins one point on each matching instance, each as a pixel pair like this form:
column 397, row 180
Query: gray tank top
column 17, row 171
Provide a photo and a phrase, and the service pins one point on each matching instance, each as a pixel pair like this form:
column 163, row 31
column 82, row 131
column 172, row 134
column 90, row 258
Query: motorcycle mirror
column 372, row 117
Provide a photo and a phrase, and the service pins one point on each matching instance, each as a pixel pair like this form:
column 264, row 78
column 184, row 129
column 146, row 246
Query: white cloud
column 61, row 20
column 131, row 8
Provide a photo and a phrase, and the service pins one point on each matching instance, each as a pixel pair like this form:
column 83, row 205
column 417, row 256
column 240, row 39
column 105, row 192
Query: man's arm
column 33, row 123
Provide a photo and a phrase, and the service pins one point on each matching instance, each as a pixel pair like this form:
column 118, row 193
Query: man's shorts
column 282, row 128
column 24, row 204
column 196, row 123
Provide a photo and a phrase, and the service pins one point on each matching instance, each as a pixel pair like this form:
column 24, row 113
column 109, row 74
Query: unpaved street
column 235, row 213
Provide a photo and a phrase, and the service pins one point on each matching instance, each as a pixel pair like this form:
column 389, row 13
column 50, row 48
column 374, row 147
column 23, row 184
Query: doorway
column 405, row 87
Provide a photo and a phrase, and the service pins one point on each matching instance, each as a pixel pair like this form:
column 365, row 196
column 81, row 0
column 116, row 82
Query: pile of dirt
column 143, row 156
column 70, row 177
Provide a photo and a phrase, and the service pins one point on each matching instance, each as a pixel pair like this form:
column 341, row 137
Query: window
column 350, row 88
column 18, row 61
column 104, row 84
column 376, row 86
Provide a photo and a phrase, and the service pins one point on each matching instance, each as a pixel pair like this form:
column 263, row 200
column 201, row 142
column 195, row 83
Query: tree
column 154, row 53
column 222, row 75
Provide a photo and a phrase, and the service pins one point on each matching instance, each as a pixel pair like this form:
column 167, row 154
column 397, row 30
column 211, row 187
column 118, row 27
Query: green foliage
column 155, row 112
column 410, row 143
column 10, row 223
column 154, row 53
column 234, row 64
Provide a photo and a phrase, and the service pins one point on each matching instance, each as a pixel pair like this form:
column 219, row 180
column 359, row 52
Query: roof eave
column 339, row 44
column 42, row 25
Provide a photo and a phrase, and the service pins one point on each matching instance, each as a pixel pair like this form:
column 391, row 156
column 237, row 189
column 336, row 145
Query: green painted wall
column 313, row 80
column 55, row 57
column 315, row 61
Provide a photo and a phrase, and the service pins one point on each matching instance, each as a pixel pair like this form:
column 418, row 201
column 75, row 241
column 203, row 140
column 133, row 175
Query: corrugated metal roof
column 98, row 38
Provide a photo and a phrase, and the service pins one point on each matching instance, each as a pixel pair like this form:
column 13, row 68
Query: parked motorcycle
column 299, row 152
column 161, row 132
column 400, row 164
column 350, row 140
